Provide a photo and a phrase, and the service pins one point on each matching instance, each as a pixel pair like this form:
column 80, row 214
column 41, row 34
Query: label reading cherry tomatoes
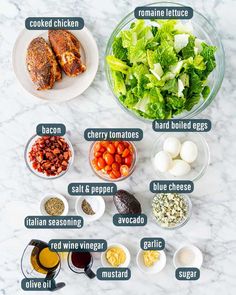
column 121, row 134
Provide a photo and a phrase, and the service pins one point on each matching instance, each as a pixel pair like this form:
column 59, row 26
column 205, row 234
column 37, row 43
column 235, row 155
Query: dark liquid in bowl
column 80, row 259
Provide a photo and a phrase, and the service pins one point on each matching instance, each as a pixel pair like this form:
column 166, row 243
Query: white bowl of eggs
column 182, row 156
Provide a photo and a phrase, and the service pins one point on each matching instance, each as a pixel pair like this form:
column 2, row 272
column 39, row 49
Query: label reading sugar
column 187, row 273
column 65, row 245
column 54, row 222
column 51, row 129
column 175, row 125
column 92, row 189
column 54, row 23
column 129, row 219
column 171, row 186
column 152, row 244
column 37, row 284
column 113, row 274
column 168, row 12
column 96, row 134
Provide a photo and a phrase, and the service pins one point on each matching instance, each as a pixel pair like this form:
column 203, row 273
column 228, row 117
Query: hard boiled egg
column 189, row 151
column 172, row 146
column 179, row 168
column 162, row 161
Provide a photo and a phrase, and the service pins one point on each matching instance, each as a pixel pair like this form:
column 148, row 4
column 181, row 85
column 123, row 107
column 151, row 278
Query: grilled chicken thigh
column 67, row 50
column 42, row 64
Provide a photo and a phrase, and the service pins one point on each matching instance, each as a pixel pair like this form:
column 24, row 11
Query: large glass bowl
column 203, row 29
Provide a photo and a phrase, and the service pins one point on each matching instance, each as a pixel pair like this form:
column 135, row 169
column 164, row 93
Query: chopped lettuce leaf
column 117, row 64
column 157, row 71
column 181, row 41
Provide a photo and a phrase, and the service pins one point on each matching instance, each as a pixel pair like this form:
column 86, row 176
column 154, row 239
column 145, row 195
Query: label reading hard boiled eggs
column 177, row 125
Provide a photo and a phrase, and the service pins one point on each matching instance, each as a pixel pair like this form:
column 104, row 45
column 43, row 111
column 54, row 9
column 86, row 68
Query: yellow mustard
column 115, row 256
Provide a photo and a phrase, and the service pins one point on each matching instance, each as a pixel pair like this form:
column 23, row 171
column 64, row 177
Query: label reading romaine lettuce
column 150, row 12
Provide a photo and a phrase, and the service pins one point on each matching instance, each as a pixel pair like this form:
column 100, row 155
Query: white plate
column 97, row 202
column 68, row 87
column 104, row 261
column 157, row 266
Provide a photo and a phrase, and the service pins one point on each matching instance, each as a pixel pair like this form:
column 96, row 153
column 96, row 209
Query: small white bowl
column 198, row 257
column 104, row 261
column 54, row 195
column 99, row 205
column 157, row 266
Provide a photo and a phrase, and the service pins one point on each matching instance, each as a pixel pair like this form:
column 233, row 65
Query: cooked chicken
column 67, row 50
column 42, row 65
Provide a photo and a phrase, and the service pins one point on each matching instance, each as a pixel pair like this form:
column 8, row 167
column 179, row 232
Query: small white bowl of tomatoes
column 113, row 160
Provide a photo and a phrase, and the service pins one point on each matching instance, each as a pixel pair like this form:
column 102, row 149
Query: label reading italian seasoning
column 56, row 222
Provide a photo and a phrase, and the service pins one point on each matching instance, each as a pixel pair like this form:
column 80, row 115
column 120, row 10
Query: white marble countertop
column 212, row 225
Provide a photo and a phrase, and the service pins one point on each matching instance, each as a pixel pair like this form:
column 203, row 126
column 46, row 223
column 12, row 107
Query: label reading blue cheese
column 96, row 134
column 37, row 284
column 152, row 244
column 54, row 23
column 55, row 222
column 92, row 189
column 65, row 245
column 171, row 186
column 129, row 219
column 177, row 125
column 51, row 129
column 187, row 273
column 113, row 274
column 163, row 12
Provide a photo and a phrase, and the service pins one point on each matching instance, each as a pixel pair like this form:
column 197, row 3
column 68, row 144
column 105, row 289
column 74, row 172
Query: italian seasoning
column 169, row 209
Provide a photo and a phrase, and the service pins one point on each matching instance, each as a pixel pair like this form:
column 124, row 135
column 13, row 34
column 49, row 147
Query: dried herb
column 54, row 206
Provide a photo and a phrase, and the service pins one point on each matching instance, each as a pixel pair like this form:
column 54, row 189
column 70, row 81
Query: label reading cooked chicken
column 54, row 23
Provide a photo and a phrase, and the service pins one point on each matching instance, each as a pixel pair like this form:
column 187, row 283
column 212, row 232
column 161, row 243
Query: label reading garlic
column 152, row 244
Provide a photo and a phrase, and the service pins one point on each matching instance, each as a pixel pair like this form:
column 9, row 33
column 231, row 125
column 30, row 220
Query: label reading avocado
column 96, row 134
column 130, row 219
column 163, row 12
column 113, row 274
column 54, row 23
column 187, row 273
column 50, row 129
column 176, row 125
column 152, row 244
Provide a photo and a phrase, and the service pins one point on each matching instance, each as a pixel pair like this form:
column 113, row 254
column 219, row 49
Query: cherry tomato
column 108, row 158
column 115, row 166
column 108, row 168
column 126, row 144
column 124, row 170
column 112, row 175
column 116, row 173
column 125, row 153
column 129, row 160
column 105, row 143
column 97, row 154
column 102, row 149
column 116, row 143
column 97, row 146
column 120, row 148
column 101, row 163
column 118, row 158
column 111, row 148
